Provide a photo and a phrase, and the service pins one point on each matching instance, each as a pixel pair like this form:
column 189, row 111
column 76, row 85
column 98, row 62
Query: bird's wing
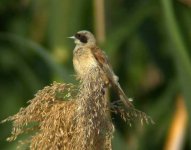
column 103, row 62
column 106, row 67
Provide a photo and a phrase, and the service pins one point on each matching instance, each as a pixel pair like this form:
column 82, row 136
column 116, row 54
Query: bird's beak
column 71, row 37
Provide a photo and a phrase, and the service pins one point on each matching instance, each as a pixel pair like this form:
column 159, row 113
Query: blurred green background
column 148, row 43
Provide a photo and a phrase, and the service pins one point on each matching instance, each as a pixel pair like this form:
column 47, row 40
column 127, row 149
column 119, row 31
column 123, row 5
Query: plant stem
column 179, row 52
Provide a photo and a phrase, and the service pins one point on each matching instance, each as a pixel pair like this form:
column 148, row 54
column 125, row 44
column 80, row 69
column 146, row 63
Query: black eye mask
column 81, row 37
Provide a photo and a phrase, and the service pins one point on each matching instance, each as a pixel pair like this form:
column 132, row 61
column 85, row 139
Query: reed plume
column 68, row 117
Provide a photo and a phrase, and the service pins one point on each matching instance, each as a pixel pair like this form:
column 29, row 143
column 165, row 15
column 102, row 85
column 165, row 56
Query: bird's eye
column 77, row 35
column 81, row 37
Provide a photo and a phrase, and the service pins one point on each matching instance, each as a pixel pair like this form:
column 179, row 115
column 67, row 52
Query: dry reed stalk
column 99, row 20
column 177, row 130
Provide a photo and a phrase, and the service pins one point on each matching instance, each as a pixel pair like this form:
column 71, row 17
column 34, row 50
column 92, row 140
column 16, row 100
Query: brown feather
column 106, row 67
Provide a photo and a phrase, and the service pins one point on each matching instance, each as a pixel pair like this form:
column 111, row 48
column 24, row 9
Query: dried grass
column 66, row 117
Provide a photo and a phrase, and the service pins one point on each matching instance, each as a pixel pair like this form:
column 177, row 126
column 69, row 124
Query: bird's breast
column 83, row 61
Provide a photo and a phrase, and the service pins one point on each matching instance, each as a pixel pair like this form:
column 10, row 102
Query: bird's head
column 82, row 38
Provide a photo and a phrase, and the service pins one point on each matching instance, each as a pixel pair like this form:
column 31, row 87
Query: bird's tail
column 123, row 97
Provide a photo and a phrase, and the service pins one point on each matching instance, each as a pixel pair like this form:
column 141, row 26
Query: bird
column 87, row 55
